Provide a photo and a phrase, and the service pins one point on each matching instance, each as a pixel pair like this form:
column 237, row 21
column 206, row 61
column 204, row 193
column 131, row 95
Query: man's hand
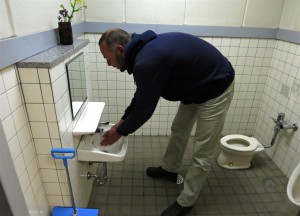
column 110, row 137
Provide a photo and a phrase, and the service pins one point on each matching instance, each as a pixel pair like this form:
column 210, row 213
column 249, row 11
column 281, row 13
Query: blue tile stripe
column 15, row 49
column 209, row 31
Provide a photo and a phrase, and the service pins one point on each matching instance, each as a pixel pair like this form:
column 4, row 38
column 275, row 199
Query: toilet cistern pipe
column 279, row 119
column 281, row 124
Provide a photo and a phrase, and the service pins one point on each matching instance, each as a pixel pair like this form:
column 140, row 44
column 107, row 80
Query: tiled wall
column 18, row 134
column 34, row 125
column 51, row 123
column 267, row 76
column 246, row 13
column 251, row 59
column 259, row 94
column 15, row 13
column 282, row 94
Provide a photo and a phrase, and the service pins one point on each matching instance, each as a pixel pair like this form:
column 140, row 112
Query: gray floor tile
column 257, row 191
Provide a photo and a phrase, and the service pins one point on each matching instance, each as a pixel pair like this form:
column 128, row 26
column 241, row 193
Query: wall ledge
column 53, row 56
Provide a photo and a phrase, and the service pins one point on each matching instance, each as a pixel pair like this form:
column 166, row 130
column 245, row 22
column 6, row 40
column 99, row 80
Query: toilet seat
column 251, row 143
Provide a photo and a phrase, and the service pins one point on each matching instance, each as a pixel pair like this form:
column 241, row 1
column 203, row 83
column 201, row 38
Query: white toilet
column 293, row 187
column 237, row 151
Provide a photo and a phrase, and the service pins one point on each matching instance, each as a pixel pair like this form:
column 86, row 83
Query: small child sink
column 89, row 148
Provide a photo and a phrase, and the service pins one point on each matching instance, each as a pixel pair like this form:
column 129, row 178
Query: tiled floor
column 260, row 190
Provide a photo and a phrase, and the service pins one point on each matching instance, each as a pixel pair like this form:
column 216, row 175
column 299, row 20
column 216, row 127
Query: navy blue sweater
column 175, row 66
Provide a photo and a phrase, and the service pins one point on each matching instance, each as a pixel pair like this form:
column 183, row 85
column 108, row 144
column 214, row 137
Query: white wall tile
column 36, row 112
column 67, row 200
column 28, row 75
column 66, row 102
column 19, row 165
column 46, row 162
column 44, row 209
column 32, row 169
column 93, row 47
column 32, row 93
column 43, row 146
column 33, row 209
column 62, row 126
column 20, row 15
column 29, row 196
column 203, row 12
column 155, row 12
column 60, row 87
column 47, row 93
column 56, row 143
column 91, row 38
column 43, row 74
column 62, row 175
column 57, row 72
column 29, row 153
column 14, row 97
column 49, row 175
column 290, row 15
column 59, row 108
column 53, row 130
column 5, row 108
column 40, row 130
column 20, row 118
column 102, row 10
column 24, row 181
column 256, row 16
column 52, row 188
column 37, row 184
column 9, row 77
column 64, row 189
column 6, row 30
column 9, row 128
column 2, row 89
column 55, row 200
column 40, row 200
column 68, row 117
column 67, row 139
column 24, row 136
column 59, row 163
column 14, row 147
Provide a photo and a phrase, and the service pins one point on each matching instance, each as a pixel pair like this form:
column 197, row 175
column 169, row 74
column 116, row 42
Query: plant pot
column 65, row 33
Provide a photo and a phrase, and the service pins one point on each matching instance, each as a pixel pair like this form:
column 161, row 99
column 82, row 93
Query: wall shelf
column 89, row 119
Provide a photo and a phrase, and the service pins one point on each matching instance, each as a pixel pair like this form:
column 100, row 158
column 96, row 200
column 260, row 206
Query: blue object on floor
column 68, row 211
column 65, row 154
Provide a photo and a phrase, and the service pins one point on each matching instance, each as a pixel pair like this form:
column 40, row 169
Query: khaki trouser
column 210, row 117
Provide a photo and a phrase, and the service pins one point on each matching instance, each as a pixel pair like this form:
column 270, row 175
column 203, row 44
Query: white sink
column 89, row 148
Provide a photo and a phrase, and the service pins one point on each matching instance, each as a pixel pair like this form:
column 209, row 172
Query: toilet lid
column 238, row 142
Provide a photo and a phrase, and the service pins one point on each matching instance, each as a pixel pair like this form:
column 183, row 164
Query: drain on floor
column 270, row 183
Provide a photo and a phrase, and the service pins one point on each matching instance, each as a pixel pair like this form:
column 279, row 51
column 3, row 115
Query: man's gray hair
column 113, row 37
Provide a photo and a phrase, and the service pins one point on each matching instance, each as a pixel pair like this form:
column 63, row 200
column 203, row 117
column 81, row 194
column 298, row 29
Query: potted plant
column 64, row 21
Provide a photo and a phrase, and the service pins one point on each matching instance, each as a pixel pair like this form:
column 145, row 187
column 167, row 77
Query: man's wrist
column 120, row 131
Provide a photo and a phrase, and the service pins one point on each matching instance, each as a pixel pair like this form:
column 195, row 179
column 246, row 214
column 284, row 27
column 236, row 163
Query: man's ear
column 121, row 49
